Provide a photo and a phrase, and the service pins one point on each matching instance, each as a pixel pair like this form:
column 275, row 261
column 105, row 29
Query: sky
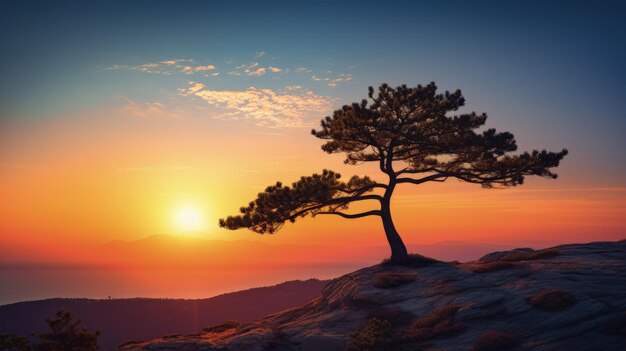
column 124, row 119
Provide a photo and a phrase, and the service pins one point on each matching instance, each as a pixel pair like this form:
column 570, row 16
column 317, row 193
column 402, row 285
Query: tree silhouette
column 66, row 335
column 411, row 135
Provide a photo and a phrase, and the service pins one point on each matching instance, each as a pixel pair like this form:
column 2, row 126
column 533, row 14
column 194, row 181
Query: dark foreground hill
column 121, row 320
column 570, row 297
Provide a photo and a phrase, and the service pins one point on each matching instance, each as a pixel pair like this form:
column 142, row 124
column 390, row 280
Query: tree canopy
column 414, row 137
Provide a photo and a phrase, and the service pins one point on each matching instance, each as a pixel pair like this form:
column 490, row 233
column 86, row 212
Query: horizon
column 122, row 121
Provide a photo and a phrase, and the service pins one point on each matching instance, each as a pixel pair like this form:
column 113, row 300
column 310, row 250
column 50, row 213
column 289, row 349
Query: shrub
column 440, row 322
column 10, row 342
column 552, row 300
column 496, row 341
column 397, row 317
column 387, row 280
column 528, row 256
column 491, row 267
column 376, row 335
column 222, row 327
column 414, row 260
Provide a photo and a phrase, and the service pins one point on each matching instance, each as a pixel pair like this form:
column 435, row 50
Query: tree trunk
column 398, row 249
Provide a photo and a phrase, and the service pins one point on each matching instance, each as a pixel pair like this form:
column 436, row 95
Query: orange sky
column 98, row 176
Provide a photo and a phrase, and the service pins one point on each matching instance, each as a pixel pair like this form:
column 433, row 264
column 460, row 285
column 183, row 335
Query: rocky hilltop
column 569, row 297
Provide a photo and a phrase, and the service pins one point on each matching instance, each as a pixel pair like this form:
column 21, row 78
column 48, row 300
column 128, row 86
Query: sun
column 188, row 219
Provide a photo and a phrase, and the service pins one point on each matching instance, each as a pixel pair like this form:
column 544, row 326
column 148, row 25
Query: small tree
column 411, row 135
column 66, row 335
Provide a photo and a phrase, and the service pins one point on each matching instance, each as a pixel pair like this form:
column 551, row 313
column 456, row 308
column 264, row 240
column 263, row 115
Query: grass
column 528, row 256
column 496, row 340
column 491, row 267
column 440, row 322
column 552, row 300
column 386, row 280
column 222, row 327
column 414, row 260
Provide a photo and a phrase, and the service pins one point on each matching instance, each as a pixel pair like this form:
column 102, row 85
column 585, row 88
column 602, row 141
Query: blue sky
column 552, row 72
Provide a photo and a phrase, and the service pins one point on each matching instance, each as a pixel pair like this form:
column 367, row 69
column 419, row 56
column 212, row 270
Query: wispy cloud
column 157, row 168
column 194, row 69
column 263, row 106
column 333, row 82
column 153, row 109
column 260, row 54
column 275, row 69
column 258, row 72
column 166, row 67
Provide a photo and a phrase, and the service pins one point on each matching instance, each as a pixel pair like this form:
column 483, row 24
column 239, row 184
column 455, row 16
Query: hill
column 569, row 297
column 121, row 320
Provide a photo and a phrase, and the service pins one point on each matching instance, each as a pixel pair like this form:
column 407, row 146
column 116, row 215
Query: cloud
column 263, row 106
column 165, row 67
column 175, row 61
column 258, row 72
column 157, row 168
column 293, row 87
column 149, row 110
column 303, row 70
column 153, row 68
column 260, row 54
column 333, row 82
column 340, row 78
column 275, row 69
column 194, row 69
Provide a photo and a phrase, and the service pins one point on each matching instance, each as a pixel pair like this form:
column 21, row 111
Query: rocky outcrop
column 570, row 297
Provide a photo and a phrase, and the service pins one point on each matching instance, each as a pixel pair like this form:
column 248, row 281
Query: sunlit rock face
column 570, row 297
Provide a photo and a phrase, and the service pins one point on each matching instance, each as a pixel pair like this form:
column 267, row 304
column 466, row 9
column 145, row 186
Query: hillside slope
column 570, row 297
column 120, row 320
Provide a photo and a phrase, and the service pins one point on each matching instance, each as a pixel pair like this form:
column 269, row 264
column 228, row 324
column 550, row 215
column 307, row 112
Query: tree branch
column 336, row 201
column 430, row 178
column 351, row 216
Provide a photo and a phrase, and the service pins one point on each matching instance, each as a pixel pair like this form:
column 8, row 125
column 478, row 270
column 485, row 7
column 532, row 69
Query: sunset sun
column 187, row 219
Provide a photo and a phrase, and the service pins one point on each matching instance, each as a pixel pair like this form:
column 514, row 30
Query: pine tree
column 414, row 138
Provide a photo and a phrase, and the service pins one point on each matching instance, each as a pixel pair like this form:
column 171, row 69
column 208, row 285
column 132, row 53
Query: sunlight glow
column 188, row 218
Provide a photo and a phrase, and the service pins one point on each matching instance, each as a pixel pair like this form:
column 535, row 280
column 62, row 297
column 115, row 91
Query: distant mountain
column 121, row 320
column 168, row 251
column 199, row 252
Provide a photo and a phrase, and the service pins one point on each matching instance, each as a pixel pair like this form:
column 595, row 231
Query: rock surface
column 489, row 295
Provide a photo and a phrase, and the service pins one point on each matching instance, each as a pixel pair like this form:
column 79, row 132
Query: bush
column 491, row 267
column 222, row 327
column 496, row 341
column 10, row 342
column 552, row 300
column 442, row 321
column 397, row 317
column 387, row 280
column 376, row 335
